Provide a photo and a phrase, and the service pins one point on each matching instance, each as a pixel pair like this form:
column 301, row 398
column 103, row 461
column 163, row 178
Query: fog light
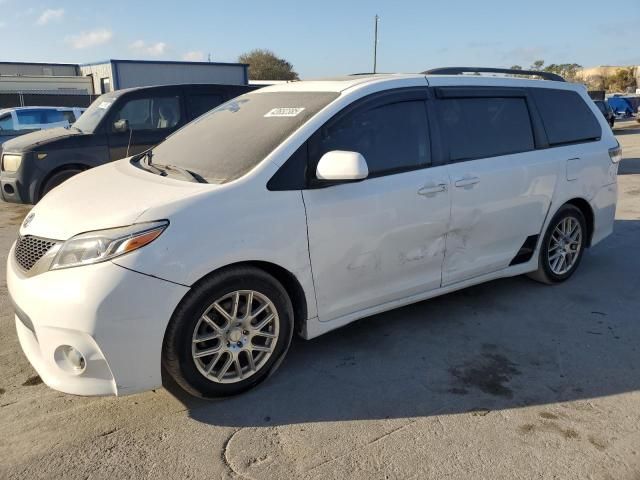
column 70, row 360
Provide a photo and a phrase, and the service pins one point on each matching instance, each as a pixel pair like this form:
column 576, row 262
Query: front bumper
column 11, row 188
column 115, row 317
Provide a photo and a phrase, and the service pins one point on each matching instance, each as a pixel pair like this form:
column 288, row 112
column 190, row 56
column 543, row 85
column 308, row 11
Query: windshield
column 227, row 142
column 91, row 117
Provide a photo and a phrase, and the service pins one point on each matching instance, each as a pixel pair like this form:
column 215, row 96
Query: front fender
column 232, row 224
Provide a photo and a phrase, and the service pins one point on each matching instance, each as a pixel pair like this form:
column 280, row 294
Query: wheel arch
column 584, row 206
column 67, row 166
column 288, row 280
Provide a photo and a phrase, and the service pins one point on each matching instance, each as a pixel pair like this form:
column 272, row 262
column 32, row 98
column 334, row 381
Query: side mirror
column 121, row 125
column 340, row 165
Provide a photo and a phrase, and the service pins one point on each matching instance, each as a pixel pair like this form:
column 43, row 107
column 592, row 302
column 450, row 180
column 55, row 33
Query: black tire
column 177, row 359
column 58, row 179
column 544, row 273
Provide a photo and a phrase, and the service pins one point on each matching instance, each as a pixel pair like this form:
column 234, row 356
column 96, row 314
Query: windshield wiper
column 186, row 173
column 164, row 170
column 145, row 159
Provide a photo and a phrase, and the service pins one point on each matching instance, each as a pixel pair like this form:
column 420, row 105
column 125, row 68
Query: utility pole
column 375, row 43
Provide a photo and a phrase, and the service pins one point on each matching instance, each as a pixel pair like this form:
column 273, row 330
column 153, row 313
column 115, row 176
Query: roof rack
column 509, row 71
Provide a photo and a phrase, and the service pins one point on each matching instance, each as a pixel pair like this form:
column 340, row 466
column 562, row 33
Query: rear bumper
column 114, row 317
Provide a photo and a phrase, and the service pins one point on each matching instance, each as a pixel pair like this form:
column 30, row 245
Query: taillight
column 615, row 154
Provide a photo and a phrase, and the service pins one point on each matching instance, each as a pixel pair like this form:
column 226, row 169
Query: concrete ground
column 506, row 380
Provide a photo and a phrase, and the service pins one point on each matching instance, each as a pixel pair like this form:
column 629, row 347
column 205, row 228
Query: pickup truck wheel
column 229, row 333
column 57, row 179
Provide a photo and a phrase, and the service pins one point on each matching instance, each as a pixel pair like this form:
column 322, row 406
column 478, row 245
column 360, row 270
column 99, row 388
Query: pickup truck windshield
column 91, row 117
column 227, row 142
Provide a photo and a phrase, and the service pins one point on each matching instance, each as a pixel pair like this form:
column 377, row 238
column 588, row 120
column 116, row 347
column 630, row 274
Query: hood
column 29, row 141
column 113, row 195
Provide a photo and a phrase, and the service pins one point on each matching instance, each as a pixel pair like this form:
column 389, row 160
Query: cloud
column 50, row 15
column 90, row 39
column 153, row 49
column 194, row 56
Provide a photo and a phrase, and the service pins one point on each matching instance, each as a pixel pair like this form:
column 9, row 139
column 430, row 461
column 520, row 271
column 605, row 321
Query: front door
column 150, row 121
column 381, row 239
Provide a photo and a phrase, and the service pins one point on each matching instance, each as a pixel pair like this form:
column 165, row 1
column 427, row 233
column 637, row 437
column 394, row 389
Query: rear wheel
column 562, row 246
column 229, row 333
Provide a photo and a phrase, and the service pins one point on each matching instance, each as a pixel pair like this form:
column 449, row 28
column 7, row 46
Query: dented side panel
column 376, row 241
column 491, row 218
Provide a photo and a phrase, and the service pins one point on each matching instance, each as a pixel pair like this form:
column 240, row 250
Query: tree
column 265, row 65
column 566, row 70
column 516, row 67
column 537, row 65
column 622, row 81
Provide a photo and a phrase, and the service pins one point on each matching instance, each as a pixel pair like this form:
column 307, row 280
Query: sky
column 326, row 38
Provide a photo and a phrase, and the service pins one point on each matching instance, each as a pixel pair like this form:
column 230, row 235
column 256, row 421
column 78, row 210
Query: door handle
column 431, row 189
column 467, row 182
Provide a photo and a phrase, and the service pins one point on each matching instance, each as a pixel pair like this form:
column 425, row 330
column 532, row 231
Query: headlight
column 103, row 245
column 11, row 162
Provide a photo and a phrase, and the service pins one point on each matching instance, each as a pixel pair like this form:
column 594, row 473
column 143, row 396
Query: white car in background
column 20, row 120
column 303, row 207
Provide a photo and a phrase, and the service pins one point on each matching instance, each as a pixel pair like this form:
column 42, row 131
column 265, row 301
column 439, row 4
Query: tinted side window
column 150, row 113
column 391, row 137
column 29, row 117
column 485, row 127
column 566, row 117
column 69, row 116
column 53, row 116
column 6, row 122
column 199, row 104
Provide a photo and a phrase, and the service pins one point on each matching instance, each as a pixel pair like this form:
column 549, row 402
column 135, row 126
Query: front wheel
column 562, row 246
column 229, row 333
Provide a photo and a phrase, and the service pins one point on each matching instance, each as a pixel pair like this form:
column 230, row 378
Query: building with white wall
column 109, row 75
column 117, row 74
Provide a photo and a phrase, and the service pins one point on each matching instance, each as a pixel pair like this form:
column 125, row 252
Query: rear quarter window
column 566, row 117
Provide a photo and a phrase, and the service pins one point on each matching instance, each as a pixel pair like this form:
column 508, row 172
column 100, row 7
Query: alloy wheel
column 235, row 336
column 564, row 245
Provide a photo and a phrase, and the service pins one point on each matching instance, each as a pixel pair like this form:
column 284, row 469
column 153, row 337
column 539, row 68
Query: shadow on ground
column 628, row 130
column 504, row 344
column 629, row 166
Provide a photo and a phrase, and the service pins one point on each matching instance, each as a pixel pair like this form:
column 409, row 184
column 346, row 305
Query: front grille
column 30, row 249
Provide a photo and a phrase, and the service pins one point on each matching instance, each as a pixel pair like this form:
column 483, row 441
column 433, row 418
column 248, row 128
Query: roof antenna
column 129, row 144
column 376, row 20
column 209, row 57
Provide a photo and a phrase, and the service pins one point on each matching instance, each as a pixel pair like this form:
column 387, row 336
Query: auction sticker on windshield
column 284, row 112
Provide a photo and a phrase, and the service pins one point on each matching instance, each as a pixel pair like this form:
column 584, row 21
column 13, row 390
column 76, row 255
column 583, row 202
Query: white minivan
column 303, row 207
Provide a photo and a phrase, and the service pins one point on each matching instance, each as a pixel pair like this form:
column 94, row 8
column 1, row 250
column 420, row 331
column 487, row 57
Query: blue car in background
column 623, row 107
column 20, row 120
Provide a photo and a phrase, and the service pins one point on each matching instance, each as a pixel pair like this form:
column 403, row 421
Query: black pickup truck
column 116, row 125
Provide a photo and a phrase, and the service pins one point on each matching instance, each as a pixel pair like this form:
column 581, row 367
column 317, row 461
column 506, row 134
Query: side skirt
column 314, row 327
